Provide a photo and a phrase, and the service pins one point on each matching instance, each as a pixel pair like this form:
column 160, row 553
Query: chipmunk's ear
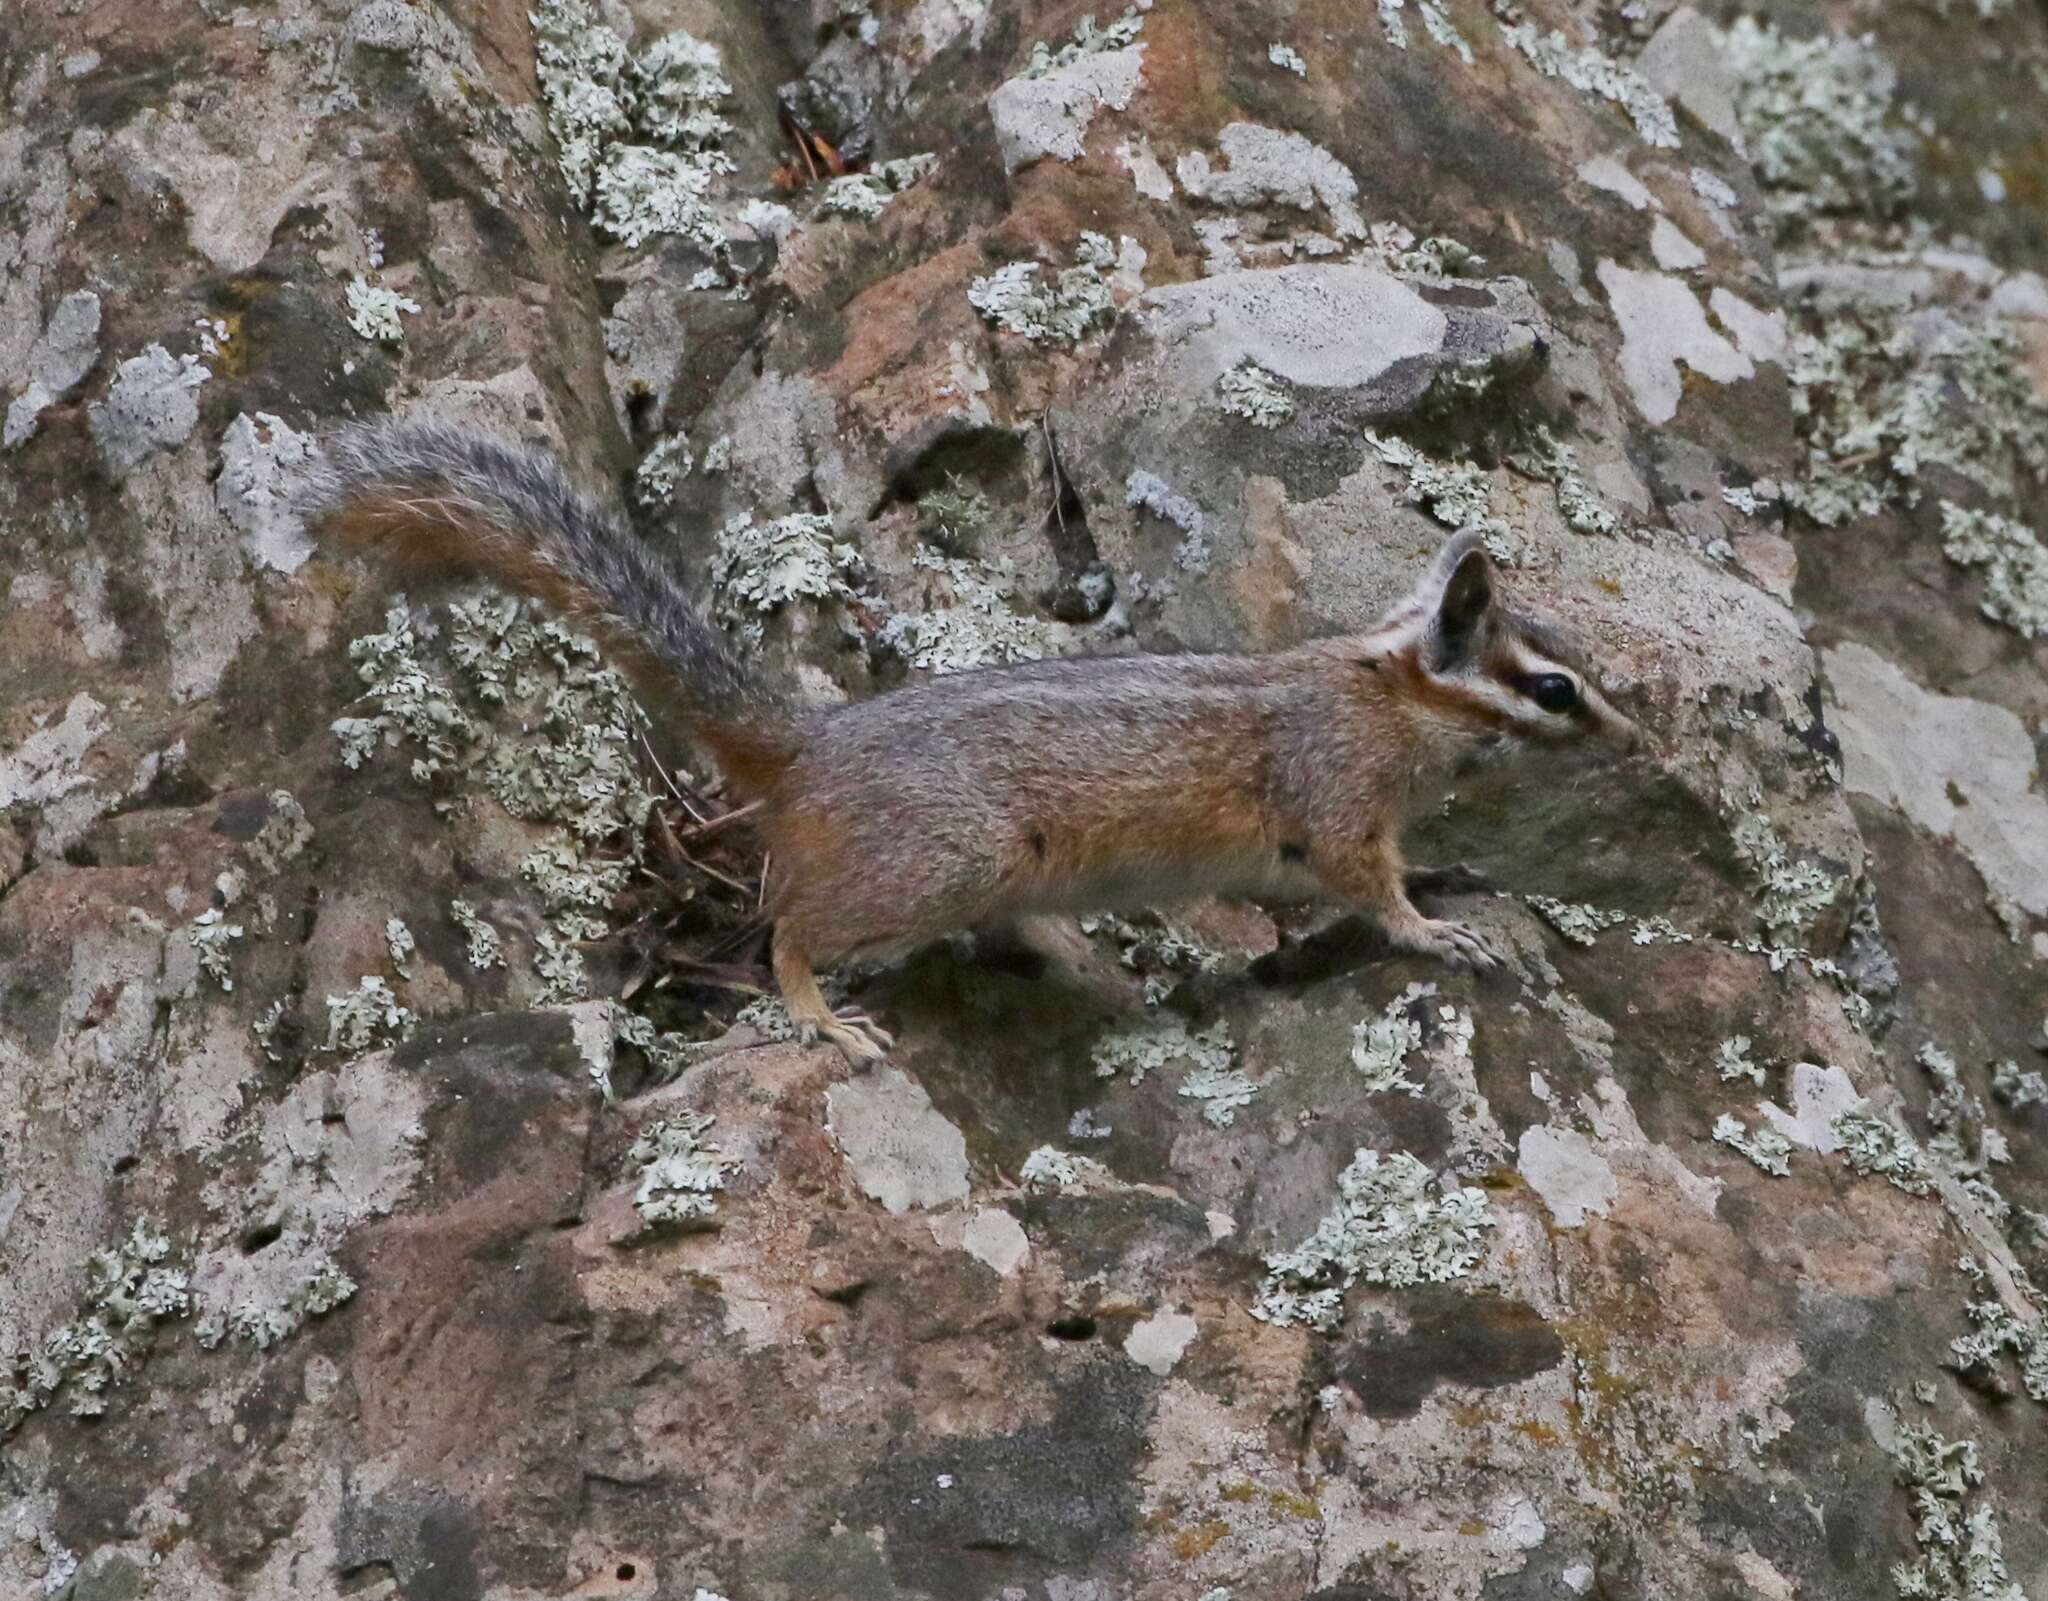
column 1464, row 600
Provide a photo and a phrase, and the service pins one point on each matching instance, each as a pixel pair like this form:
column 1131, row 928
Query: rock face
column 353, row 1242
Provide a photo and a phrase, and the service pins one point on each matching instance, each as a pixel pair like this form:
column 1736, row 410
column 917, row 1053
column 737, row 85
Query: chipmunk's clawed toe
column 1453, row 944
column 861, row 1040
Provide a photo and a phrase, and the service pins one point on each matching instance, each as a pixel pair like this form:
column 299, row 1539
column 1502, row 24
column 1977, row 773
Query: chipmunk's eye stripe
column 1552, row 691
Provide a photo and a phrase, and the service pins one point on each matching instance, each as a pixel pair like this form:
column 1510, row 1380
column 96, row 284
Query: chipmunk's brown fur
column 1012, row 791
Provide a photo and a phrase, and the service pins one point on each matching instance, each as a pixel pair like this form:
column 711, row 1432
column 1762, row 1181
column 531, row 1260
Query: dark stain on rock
column 421, row 1533
column 1478, row 1339
column 1055, row 1496
column 242, row 814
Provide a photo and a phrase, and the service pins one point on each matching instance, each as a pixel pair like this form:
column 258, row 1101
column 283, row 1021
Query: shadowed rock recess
column 406, row 1190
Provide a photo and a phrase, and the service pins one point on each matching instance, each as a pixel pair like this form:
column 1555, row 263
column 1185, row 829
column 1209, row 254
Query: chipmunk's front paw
column 861, row 1040
column 1451, row 943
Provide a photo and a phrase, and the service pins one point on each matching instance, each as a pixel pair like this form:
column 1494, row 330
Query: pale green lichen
column 1578, row 922
column 1878, row 398
column 485, row 949
column 1049, row 1168
column 1997, row 1334
column 1436, row 23
column 970, row 620
column 367, row 1016
column 1251, row 392
column 1871, row 1144
column 1962, row 1553
column 1765, row 1147
column 1220, row 1092
column 1817, row 116
column 1458, row 497
column 769, row 1017
column 866, row 195
column 1735, row 1062
column 638, row 135
column 1150, row 492
column 2016, row 1090
column 373, row 312
column 661, row 469
column 642, row 192
column 263, row 1324
column 1380, row 1045
column 1087, row 40
column 1386, row 1228
column 1064, row 311
column 2014, row 561
column 681, row 1173
column 1138, row 1051
column 1790, row 893
column 399, row 942
column 1658, row 931
column 1590, row 70
column 1549, row 458
column 129, row 1289
column 265, row 1030
column 1156, row 948
column 209, row 935
column 760, row 567
column 667, row 1053
column 554, row 743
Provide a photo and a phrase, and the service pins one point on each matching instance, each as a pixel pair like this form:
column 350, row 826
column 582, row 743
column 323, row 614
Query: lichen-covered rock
column 402, row 1195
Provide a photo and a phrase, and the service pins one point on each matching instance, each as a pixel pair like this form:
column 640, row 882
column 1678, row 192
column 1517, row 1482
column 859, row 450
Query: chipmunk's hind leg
column 860, row 1038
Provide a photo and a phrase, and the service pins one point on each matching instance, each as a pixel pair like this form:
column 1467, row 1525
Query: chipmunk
column 1001, row 793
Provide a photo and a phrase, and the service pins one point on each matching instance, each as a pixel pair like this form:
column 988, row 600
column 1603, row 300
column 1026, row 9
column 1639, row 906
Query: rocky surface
column 354, row 1240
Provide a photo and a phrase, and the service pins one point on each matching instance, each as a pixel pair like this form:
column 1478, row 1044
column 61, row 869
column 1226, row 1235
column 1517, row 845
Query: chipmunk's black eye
column 1552, row 691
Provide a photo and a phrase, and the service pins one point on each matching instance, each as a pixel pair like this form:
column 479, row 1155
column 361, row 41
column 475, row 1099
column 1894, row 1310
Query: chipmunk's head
column 1477, row 668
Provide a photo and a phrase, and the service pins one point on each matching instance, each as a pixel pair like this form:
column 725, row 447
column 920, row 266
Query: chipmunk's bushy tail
column 432, row 499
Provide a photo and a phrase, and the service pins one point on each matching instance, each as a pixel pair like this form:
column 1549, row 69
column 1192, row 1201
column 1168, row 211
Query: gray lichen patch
column 1881, row 397
column 1568, row 1172
column 367, row 1016
column 1047, row 108
column 262, row 463
column 866, row 195
column 1663, row 327
column 58, row 363
column 1150, row 492
column 902, row 1151
column 1962, row 1550
column 152, row 405
column 1460, row 497
column 1251, row 392
column 1962, row 769
column 540, row 723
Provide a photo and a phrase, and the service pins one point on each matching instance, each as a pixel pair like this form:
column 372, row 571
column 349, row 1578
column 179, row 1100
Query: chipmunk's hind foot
column 860, row 1039
column 1453, row 944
